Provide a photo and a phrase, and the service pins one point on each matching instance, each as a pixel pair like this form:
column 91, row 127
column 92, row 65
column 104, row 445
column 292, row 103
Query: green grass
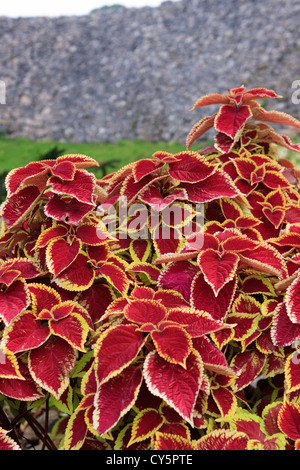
column 15, row 153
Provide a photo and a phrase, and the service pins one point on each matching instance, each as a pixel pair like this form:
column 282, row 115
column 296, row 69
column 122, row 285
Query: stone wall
column 135, row 73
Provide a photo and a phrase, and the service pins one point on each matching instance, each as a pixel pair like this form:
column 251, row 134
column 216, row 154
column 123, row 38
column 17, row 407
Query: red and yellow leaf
column 115, row 398
column 218, row 268
column 50, row 365
column 115, row 350
column 145, row 424
column 173, row 344
column 177, row 386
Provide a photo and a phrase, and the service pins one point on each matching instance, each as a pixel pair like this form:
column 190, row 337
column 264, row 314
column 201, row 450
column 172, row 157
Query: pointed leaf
column 145, row 424
column 67, row 209
column 25, row 333
column 292, row 300
column 73, row 329
column 181, row 396
column 115, row 350
column 283, row 332
column 6, row 442
column 13, row 300
column 251, row 364
column 145, row 311
column 212, row 358
column 178, row 276
column 81, row 186
column 24, row 388
column 173, row 344
column 218, row 268
column 115, row 398
column 203, row 297
column 292, row 372
column 230, row 120
column 51, row 364
column 289, row 420
column 223, row 439
column 76, row 277
column 213, row 187
column 196, row 322
column 15, row 209
column 60, row 254
column 171, row 442
column 199, row 129
column 115, row 276
column 190, row 167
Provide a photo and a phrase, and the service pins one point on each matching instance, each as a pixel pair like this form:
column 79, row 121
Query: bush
column 157, row 308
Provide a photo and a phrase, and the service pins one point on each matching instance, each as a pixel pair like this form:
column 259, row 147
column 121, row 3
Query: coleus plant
column 157, row 308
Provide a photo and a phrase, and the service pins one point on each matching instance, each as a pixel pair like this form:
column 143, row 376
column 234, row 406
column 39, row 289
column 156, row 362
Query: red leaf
column 225, row 400
column 115, row 276
column 76, row 430
column 145, row 167
column 212, row 358
column 173, row 344
column 289, row 420
column 9, row 367
column 152, row 196
column 270, row 417
column 81, row 186
column 178, row 276
column 212, row 98
column 116, row 348
column 80, row 161
column 260, row 114
column 292, row 372
column 25, row 333
column 15, row 209
column 43, row 297
column 266, row 259
column 230, row 120
column 292, row 301
column 24, row 389
column 199, row 129
column 90, row 234
column 171, row 442
column 78, row 276
column 177, row 386
column 64, row 169
column 283, row 332
column 115, row 398
column 196, row 322
column 145, row 311
column 66, row 208
column 34, row 171
column 190, row 167
column 218, row 268
column 214, row 187
column 50, row 234
column 96, row 299
column 250, row 363
column 60, row 254
column 26, row 268
column 145, row 424
column 73, row 329
column 13, row 300
column 258, row 93
column 222, row 439
column 203, row 297
column 6, row 442
column 50, row 365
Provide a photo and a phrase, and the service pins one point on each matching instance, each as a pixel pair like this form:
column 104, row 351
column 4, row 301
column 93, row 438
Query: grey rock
column 135, row 72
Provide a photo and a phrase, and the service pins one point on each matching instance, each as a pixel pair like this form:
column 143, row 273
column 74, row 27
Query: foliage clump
column 158, row 307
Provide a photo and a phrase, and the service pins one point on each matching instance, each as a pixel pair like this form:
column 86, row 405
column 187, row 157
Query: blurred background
column 117, row 81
